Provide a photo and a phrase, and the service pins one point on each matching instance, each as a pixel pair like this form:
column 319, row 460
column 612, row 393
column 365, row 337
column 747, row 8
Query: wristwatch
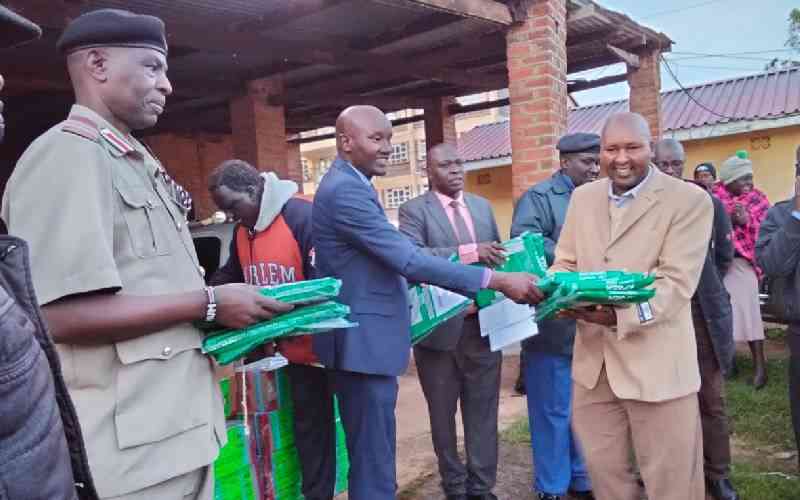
column 211, row 308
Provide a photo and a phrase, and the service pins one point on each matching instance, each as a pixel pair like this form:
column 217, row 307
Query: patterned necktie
column 462, row 231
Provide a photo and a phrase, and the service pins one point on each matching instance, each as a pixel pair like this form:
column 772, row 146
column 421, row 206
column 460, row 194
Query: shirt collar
column 634, row 191
column 446, row 200
column 359, row 173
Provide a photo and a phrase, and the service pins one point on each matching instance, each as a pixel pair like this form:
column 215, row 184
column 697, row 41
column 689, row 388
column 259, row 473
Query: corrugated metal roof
column 765, row 95
column 485, row 142
column 768, row 95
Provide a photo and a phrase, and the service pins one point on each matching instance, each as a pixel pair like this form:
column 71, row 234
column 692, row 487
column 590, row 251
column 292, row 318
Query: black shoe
column 547, row 496
column 485, row 496
column 581, row 495
column 721, row 489
column 456, row 497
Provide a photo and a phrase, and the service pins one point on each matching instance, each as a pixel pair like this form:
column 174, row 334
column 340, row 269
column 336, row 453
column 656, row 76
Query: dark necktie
column 462, row 231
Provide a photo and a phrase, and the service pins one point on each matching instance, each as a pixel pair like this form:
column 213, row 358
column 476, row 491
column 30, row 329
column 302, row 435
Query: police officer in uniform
column 558, row 459
column 115, row 269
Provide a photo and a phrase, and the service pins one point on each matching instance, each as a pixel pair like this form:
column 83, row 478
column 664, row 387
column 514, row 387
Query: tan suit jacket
column 665, row 230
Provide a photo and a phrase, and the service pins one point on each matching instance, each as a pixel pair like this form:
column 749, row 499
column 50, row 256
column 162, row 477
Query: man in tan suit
column 635, row 369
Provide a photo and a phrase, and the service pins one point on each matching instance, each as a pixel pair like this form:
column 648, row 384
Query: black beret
column 113, row 27
column 706, row 167
column 579, row 143
column 15, row 29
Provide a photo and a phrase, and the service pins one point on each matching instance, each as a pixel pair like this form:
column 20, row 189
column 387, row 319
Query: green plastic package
column 229, row 345
column 304, row 292
column 430, row 307
column 604, row 280
column 573, row 290
column 525, row 253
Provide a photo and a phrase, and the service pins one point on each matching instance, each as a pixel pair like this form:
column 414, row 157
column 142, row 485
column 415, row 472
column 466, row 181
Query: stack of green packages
column 315, row 314
column 430, row 307
column 572, row 290
column 260, row 461
column 525, row 253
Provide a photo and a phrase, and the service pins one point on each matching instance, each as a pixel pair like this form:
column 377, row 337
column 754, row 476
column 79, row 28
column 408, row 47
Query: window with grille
column 306, row 170
column 397, row 196
column 399, row 153
column 422, row 153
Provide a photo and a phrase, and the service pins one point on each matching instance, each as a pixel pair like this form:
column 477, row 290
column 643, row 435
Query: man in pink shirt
column 454, row 362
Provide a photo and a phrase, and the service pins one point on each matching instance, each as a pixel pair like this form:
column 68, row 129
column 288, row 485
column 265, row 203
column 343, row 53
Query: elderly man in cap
column 712, row 319
column 41, row 448
column 117, row 273
column 558, row 461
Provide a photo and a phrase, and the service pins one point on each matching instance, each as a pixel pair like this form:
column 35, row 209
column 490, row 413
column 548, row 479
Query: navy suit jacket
column 354, row 241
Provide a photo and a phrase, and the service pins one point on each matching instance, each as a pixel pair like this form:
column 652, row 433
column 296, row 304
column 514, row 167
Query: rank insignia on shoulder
column 119, row 144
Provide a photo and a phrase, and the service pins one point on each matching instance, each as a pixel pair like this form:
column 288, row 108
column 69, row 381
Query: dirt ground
column 417, row 473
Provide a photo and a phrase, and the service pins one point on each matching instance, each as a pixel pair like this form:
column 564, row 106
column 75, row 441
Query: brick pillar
column 645, row 85
column 294, row 166
column 440, row 125
column 537, row 85
column 259, row 129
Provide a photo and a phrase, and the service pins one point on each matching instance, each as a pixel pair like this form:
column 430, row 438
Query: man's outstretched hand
column 519, row 287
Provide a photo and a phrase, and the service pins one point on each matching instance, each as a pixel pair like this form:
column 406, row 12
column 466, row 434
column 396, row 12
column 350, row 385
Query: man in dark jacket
column 272, row 245
column 42, row 456
column 778, row 254
column 558, row 461
column 713, row 325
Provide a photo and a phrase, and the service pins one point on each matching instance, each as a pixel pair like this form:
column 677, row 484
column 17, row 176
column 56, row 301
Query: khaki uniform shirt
column 99, row 215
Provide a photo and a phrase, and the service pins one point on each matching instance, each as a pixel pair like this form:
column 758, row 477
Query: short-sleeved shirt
column 99, row 215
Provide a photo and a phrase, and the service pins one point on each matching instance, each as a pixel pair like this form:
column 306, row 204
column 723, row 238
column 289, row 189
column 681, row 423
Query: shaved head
column 625, row 152
column 364, row 138
column 670, row 157
column 631, row 121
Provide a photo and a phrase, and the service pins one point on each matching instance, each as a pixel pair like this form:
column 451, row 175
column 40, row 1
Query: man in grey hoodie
column 272, row 245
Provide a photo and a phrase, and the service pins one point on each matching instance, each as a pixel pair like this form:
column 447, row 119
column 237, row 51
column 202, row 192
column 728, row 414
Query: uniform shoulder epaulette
column 81, row 127
column 120, row 145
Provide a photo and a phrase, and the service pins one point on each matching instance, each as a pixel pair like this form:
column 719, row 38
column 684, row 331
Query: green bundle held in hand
column 430, row 307
column 599, row 281
column 227, row 346
column 573, row 290
column 304, row 292
column 524, row 254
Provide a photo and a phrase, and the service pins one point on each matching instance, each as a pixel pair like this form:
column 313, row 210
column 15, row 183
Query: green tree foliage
column 792, row 42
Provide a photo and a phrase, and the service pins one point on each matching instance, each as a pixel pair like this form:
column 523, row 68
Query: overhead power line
column 680, row 9
column 689, row 93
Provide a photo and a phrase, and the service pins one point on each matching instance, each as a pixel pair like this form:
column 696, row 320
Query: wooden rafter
column 578, row 85
column 483, row 10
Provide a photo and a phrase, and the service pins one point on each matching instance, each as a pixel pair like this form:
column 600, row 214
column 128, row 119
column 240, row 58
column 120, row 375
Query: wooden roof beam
column 292, row 12
column 579, row 85
column 490, row 11
column 632, row 60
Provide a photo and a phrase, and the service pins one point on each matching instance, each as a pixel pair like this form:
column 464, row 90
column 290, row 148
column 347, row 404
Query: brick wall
column 645, row 85
column 189, row 159
column 537, row 73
